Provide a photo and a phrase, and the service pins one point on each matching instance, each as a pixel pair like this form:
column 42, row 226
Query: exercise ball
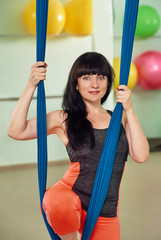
column 133, row 74
column 56, row 17
column 29, row 16
column 148, row 21
column 149, row 70
column 79, row 19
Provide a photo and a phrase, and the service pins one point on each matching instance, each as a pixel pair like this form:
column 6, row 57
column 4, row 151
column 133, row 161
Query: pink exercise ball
column 149, row 70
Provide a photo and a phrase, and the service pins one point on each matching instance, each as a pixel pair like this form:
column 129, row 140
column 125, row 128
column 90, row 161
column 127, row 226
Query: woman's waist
column 71, row 174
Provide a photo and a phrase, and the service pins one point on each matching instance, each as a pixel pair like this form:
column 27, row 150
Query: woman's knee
column 63, row 209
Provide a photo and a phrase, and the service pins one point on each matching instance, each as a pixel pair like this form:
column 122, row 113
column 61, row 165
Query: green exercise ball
column 148, row 21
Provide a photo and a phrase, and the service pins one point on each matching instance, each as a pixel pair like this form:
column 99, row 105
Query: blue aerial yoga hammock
column 105, row 167
column 41, row 29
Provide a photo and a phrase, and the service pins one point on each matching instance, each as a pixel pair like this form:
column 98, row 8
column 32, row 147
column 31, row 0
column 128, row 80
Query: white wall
column 18, row 54
column 146, row 103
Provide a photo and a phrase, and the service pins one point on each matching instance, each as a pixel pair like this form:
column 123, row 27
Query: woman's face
column 92, row 87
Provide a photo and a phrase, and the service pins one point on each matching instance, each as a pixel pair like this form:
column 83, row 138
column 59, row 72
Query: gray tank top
column 89, row 160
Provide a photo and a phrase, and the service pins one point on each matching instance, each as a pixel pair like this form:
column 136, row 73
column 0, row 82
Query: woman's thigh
column 65, row 215
column 105, row 228
column 63, row 209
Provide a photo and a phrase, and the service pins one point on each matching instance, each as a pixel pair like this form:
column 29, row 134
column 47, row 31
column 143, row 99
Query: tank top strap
column 110, row 112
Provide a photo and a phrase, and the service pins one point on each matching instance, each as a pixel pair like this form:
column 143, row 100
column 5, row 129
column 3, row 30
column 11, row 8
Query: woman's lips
column 94, row 92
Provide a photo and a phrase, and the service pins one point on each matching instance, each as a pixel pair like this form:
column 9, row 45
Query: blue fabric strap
column 41, row 28
column 105, row 167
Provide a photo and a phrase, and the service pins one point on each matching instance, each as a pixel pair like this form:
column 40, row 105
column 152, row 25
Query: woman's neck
column 94, row 107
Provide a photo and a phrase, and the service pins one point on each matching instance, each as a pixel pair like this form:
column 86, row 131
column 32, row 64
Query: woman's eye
column 101, row 77
column 85, row 78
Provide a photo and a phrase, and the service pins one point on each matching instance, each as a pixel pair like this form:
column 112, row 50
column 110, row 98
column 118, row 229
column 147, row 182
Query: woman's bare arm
column 22, row 129
column 138, row 144
column 18, row 122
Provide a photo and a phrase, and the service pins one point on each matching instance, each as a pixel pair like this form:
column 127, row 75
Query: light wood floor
column 140, row 201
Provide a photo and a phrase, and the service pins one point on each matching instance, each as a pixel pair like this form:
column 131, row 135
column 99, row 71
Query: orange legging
column 65, row 215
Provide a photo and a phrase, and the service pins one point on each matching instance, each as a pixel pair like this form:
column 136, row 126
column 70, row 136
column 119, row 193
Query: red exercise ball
column 149, row 70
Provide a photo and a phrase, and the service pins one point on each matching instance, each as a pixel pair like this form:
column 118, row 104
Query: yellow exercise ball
column 29, row 16
column 79, row 17
column 133, row 75
column 56, row 17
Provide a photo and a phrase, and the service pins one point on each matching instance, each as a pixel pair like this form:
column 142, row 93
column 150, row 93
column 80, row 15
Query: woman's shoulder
column 56, row 120
column 58, row 115
column 56, row 124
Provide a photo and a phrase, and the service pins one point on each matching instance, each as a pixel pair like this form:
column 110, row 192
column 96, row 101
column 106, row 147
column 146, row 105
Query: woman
column 82, row 127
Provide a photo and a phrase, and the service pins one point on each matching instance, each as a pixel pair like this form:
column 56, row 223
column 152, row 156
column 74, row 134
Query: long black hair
column 79, row 128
